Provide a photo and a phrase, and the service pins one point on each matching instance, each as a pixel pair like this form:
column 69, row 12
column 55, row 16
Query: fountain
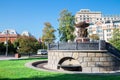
column 83, row 56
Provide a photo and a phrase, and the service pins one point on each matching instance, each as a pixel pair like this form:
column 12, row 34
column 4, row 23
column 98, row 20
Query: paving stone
column 91, row 54
column 91, row 64
column 87, row 69
column 87, row 59
column 99, row 54
column 84, row 64
column 106, row 63
column 95, row 70
column 103, row 59
column 83, row 54
column 95, row 59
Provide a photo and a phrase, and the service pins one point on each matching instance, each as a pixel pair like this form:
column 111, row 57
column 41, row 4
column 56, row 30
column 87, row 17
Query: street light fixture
column 6, row 42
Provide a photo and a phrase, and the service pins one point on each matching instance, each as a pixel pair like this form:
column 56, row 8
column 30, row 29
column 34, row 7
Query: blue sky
column 30, row 15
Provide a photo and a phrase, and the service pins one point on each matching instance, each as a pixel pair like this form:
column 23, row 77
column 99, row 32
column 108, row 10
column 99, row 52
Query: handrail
column 100, row 45
column 115, row 52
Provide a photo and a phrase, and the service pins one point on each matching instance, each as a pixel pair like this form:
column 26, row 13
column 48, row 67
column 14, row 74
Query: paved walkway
column 3, row 57
column 10, row 57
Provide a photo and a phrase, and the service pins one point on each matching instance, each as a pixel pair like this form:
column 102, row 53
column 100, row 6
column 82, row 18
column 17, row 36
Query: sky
column 30, row 15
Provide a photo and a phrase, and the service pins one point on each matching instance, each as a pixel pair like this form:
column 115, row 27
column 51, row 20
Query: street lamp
column 6, row 42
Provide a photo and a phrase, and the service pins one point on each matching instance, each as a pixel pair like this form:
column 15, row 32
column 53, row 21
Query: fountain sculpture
column 81, row 32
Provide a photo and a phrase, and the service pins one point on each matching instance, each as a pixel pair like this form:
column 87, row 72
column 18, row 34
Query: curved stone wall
column 94, row 61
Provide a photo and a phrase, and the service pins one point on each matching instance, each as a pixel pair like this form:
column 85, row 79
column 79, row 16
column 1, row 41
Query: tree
column 94, row 37
column 2, row 47
column 48, row 33
column 115, row 40
column 11, row 48
column 66, row 26
column 26, row 44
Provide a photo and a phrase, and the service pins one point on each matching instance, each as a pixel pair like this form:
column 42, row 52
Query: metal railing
column 100, row 45
column 115, row 52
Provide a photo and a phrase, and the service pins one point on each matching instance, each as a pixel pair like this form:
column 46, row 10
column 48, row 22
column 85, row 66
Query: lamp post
column 6, row 42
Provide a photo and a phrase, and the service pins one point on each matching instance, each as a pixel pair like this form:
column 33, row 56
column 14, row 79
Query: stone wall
column 90, row 61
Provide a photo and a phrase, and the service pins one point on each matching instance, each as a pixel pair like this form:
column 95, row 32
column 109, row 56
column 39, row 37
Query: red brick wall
column 12, row 38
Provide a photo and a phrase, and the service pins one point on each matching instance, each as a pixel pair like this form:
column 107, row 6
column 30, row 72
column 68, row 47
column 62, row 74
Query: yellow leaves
column 48, row 33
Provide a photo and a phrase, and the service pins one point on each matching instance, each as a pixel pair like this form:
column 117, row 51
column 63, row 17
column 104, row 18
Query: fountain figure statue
column 81, row 32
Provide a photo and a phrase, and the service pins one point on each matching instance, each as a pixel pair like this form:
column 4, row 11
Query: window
column 90, row 32
column 108, row 30
column 80, row 18
column 12, row 32
column 108, row 26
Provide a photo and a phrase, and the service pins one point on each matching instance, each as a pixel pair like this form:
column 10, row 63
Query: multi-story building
column 99, row 24
column 87, row 15
column 11, row 35
column 26, row 33
column 8, row 35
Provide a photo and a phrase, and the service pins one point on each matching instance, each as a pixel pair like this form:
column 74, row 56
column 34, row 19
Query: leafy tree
column 66, row 26
column 115, row 40
column 2, row 47
column 43, row 45
column 26, row 44
column 16, row 44
column 48, row 33
column 94, row 37
column 11, row 48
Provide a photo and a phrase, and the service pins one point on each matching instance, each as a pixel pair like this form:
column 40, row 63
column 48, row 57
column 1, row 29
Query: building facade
column 12, row 35
column 26, row 33
column 9, row 34
column 99, row 24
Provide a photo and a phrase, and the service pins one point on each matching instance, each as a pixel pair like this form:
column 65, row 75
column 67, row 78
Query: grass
column 16, row 70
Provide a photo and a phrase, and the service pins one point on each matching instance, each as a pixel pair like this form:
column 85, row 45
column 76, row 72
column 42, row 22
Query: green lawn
column 16, row 70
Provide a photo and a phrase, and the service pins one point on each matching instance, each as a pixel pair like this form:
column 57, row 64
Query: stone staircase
column 113, row 51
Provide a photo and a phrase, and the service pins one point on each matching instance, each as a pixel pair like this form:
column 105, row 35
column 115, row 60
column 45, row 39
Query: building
column 87, row 15
column 12, row 35
column 8, row 34
column 99, row 24
column 26, row 33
